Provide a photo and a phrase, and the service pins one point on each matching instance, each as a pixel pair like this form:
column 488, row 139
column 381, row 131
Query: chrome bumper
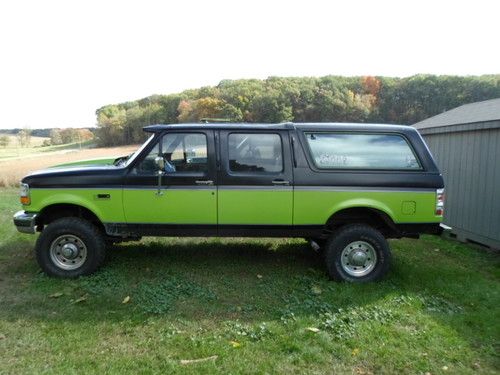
column 25, row 222
column 445, row 227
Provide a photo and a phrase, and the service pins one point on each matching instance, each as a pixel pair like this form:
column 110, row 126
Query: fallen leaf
column 259, row 276
column 313, row 329
column 56, row 295
column 189, row 361
column 355, row 351
column 362, row 371
column 81, row 299
column 235, row 344
column 316, row 290
column 126, row 299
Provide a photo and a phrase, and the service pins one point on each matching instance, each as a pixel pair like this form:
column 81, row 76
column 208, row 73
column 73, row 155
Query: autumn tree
column 206, row 107
column 302, row 99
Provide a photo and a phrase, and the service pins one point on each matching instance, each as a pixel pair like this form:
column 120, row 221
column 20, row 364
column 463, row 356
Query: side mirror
column 160, row 162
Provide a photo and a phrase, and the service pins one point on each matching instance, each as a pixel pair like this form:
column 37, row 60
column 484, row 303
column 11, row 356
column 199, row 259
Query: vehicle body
column 358, row 182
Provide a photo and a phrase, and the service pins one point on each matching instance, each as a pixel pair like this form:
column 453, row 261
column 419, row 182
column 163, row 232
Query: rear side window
column 361, row 151
column 251, row 152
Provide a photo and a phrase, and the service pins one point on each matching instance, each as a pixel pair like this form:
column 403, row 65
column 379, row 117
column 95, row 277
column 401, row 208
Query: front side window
column 361, row 151
column 251, row 152
column 183, row 152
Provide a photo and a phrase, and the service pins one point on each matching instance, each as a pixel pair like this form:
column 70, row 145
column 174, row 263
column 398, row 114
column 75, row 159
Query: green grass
column 260, row 306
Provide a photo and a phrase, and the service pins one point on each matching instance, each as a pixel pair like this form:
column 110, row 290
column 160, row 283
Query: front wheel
column 357, row 253
column 70, row 247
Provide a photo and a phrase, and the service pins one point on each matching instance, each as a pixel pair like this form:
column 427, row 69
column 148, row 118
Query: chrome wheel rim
column 358, row 258
column 68, row 252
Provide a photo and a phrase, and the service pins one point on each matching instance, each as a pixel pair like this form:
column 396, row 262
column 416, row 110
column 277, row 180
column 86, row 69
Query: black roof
column 282, row 126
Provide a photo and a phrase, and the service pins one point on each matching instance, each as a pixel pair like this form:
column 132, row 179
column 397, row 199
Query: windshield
column 131, row 157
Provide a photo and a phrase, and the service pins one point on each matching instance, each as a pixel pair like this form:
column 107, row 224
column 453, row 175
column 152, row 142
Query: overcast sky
column 61, row 60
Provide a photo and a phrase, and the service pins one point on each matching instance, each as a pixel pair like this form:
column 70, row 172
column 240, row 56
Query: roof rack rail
column 207, row 120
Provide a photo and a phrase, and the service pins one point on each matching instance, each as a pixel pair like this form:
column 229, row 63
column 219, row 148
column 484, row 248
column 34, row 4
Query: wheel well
column 370, row 216
column 57, row 211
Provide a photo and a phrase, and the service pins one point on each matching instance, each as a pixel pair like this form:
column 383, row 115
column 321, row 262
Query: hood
column 84, row 174
column 90, row 162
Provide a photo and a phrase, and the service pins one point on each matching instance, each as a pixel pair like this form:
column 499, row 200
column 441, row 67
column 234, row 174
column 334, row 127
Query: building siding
column 469, row 158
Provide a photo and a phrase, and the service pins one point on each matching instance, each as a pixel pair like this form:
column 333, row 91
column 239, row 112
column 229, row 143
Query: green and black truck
column 345, row 187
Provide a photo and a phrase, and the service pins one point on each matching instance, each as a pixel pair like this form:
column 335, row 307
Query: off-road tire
column 339, row 243
column 86, row 232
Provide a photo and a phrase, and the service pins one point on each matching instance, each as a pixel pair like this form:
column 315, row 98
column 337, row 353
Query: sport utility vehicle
column 345, row 187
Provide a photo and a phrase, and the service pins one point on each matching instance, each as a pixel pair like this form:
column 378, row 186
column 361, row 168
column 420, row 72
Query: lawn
column 247, row 306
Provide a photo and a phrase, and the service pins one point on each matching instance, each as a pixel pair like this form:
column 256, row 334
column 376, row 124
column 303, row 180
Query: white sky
column 61, row 60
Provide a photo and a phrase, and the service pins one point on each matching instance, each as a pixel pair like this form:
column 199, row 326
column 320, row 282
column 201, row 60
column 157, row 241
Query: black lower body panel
column 204, row 230
column 413, row 230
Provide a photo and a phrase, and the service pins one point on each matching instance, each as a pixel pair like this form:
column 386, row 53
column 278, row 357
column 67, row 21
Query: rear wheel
column 357, row 253
column 70, row 247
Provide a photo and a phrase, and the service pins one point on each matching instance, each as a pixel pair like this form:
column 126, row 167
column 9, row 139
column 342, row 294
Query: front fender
column 106, row 204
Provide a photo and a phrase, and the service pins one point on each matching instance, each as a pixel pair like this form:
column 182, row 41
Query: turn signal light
column 24, row 194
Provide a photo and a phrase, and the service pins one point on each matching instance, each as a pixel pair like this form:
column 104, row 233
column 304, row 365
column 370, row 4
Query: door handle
column 280, row 182
column 204, row 182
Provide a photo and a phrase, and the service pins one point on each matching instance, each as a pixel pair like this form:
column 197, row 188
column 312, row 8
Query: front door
column 255, row 182
column 185, row 200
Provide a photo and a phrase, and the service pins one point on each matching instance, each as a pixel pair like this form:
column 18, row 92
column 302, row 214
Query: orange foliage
column 371, row 85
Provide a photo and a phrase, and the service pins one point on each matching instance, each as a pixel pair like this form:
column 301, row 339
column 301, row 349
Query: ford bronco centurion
column 345, row 187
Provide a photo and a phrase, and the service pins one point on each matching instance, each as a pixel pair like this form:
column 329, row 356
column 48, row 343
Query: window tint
column 255, row 152
column 364, row 151
column 183, row 152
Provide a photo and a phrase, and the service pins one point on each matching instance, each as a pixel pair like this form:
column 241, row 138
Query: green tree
column 303, row 99
column 4, row 140
column 24, row 137
column 110, row 124
column 55, row 137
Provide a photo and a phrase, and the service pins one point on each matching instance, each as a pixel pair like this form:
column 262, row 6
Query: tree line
column 306, row 99
column 55, row 136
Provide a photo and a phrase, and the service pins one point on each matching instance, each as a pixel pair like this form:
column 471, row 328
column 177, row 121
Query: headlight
column 24, row 194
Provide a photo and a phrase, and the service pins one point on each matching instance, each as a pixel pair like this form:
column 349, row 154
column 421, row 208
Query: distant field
column 14, row 150
column 18, row 163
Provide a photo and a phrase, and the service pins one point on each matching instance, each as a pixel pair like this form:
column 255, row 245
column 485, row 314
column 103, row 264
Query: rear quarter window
column 361, row 151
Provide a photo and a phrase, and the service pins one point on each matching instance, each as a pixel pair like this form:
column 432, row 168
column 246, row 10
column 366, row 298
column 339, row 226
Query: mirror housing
column 160, row 162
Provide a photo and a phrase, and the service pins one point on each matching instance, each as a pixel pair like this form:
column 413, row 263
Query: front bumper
column 25, row 222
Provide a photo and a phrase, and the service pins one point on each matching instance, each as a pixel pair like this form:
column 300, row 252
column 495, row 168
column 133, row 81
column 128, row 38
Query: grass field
column 247, row 306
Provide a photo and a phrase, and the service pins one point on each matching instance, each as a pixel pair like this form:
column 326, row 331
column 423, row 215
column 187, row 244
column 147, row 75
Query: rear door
column 255, row 180
column 186, row 199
